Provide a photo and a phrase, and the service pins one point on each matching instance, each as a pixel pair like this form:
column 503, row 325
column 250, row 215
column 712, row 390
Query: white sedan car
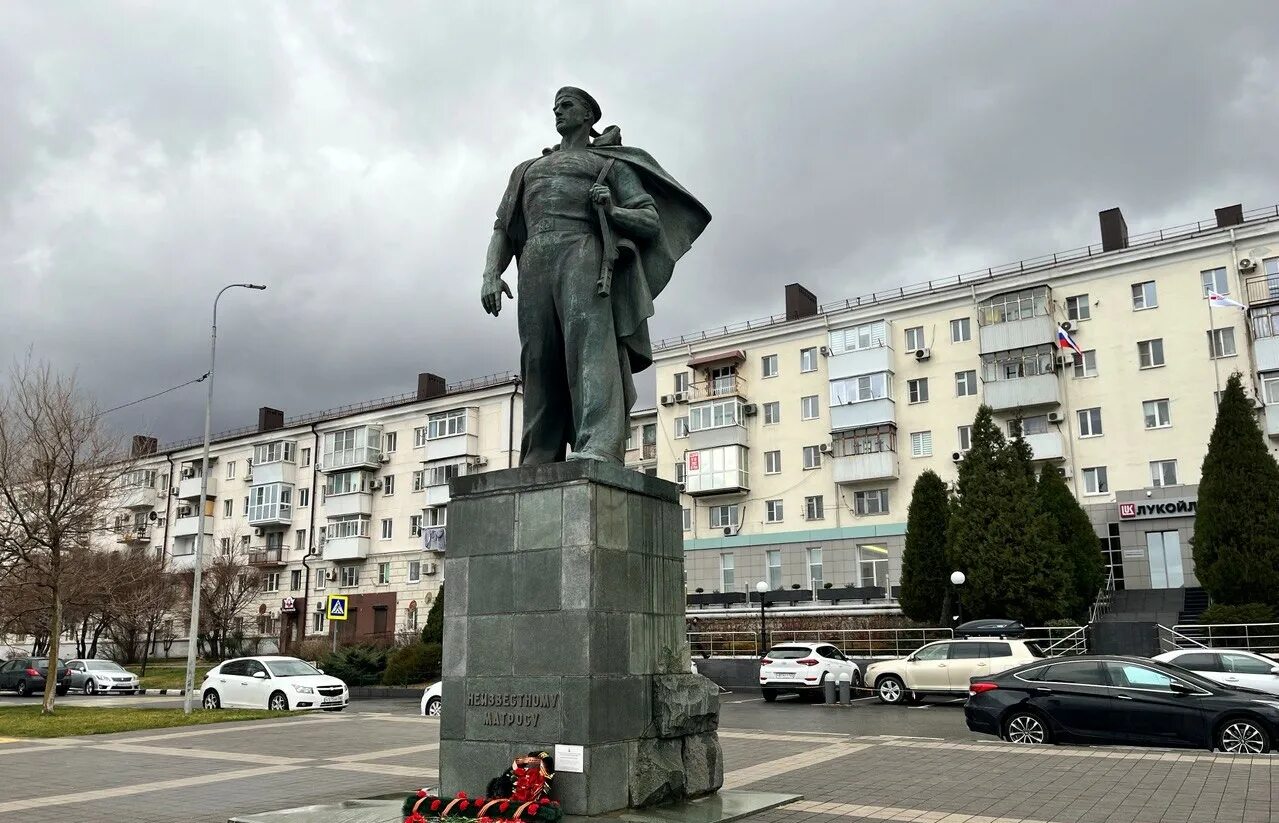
column 275, row 683
column 1228, row 667
column 431, row 700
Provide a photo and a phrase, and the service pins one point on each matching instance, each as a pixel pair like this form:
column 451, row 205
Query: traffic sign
column 337, row 606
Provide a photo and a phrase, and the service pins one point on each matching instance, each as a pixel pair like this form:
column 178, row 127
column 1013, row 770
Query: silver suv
column 944, row 667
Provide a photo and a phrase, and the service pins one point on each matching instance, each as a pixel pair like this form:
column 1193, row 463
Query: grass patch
column 26, row 721
column 168, row 677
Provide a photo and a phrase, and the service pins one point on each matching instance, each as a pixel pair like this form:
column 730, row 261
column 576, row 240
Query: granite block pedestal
column 564, row 624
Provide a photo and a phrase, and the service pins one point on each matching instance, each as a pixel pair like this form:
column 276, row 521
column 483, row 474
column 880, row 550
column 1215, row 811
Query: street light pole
column 956, row 580
column 193, row 631
column 762, row 587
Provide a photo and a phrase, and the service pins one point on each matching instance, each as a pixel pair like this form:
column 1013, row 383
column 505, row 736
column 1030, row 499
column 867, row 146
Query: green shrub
column 433, row 631
column 416, row 663
column 1062, row 623
column 1222, row 613
column 356, row 665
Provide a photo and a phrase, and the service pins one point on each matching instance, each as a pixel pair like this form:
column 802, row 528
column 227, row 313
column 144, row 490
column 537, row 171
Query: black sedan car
column 26, row 675
column 1120, row 700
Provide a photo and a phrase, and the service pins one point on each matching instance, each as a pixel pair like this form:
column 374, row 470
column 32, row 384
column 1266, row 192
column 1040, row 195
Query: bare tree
column 59, row 468
column 143, row 595
column 229, row 586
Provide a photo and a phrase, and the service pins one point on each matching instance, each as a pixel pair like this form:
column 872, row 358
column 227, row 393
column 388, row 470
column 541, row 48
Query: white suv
column 944, row 667
column 802, row 668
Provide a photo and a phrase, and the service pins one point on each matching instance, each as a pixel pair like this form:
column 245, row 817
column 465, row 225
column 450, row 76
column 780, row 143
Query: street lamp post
column 762, row 587
column 193, row 631
column 956, row 580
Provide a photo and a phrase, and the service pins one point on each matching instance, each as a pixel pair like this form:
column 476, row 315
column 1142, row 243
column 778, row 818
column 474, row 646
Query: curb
column 178, row 692
column 384, row 692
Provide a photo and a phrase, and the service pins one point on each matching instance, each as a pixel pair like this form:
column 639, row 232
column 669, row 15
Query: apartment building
column 352, row 500
column 799, row 437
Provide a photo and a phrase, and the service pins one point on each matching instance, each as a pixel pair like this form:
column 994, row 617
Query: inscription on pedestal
column 504, row 701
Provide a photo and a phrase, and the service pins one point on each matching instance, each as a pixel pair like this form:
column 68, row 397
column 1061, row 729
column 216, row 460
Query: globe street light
column 193, row 632
column 957, row 579
column 762, row 587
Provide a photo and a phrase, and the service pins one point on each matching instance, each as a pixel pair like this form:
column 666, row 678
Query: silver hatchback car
column 101, row 677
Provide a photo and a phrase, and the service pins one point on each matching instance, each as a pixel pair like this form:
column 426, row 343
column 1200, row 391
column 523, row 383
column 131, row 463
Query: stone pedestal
column 564, row 624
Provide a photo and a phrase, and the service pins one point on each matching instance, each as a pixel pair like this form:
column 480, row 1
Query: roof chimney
column 430, row 385
column 270, row 419
column 800, row 302
column 142, row 446
column 1230, row 215
column 1114, row 231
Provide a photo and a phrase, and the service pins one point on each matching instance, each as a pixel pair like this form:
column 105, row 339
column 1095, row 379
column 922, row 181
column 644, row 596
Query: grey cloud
column 351, row 156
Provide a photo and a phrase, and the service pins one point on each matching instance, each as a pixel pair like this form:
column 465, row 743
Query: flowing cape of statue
column 644, row 266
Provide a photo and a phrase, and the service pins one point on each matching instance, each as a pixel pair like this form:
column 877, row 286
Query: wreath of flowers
column 520, row 795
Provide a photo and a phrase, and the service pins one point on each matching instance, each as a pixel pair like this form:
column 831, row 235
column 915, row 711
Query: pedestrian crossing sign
column 337, row 606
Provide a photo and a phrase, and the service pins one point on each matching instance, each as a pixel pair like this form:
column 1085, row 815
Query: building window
column 773, row 559
column 1086, row 366
column 295, row 580
column 271, row 582
column 1156, row 413
column 1095, row 480
column 812, row 457
column 966, row 383
column 1035, row 424
column 415, row 571
column 681, row 382
column 773, row 462
column 772, row 413
column 388, row 485
column 383, row 573
column 808, row 359
column 814, row 507
column 386, row 528
column 317, row 621
column 715, row 415
column 246, row 505
column 227, row 509
column 965, row 438
column 419, row 437
column 681, row 472
column 446, row 424
column 349, row 576
column 305, row 459
column 321, row 580
column 921, row 444
column 859, row 389
column 304, row 498
column 1221, row 343
column 872, row 501
column 415, row 525
column 808, row 408
column 727, row 572
column 858, row 338
column 917, row 390
column 1144, row 296
column 961, row 330
column 815, row 568
column 1270, row 388
column 872, row 566
column 772, row 511
column 300, row 538
column 768, row 365
column 1150, row 353
column 686, row 515
column 723, row 516
column 224, row 546
column 1215, row 280
column 1163, row 472
column 1018, row 305
column 1077, row 308
column 915, row 338
column 681, row 427
column 1112, row 555
column 1090, row 422
column 390, row 440
column 419, row 480
column 230, row 470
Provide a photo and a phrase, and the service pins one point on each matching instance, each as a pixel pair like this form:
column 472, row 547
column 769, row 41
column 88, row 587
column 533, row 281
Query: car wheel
column 90, row 687
column 23, row 689
column 277, row 702
column 770, row 695
column 211, row 700
column 433, row 707
column 1242, row 736
column 891, row 690
column 1026, row 728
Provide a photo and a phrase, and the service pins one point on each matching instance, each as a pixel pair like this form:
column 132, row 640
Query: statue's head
column 575, row 109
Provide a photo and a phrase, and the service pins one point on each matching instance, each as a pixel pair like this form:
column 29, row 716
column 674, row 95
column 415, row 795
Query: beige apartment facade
column 351, row 501
column 798, row 438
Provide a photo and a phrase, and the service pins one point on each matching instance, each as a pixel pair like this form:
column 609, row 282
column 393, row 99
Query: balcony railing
column 434, row 538
column 273, row 556
column 134, row 534
column 649, row 451
column 729, row 386
column 1262, row 289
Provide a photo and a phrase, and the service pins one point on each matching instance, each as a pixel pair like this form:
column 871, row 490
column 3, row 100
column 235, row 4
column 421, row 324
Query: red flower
column 479, row 801
column 464, row 805
column 534, row 808
column 505, row 807
column 421, row 792
column 461, row 795
column 435, row 805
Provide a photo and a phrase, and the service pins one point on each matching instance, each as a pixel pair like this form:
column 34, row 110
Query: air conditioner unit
column 374, row 485
column 480, row 462
column 174, row 491
column 1066, row 361
column 258, row 532
column 668, row 400
column 1055, row 417
column 680, row 396
column 728, row 531
column 750, row 410
column 1065, row 472
column 825, row 448
column 187, row 474
column 956, row 456
column 430, row 567
column 825, row 350
column 923, row 354
column 1247, row 264
column 184, row 512
column 384, row 458
column 248, row 477
column 1066, row 325
column 319, row 604
column 680, row 486
column 330, row 575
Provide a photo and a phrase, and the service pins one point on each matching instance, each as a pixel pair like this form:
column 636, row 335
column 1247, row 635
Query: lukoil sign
column 1174, row 507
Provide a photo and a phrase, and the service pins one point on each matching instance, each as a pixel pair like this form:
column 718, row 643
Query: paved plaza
column 864, row 763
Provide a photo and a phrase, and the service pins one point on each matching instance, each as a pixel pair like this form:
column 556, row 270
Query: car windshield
column 788, row 652
column 103, row 666
column 290, row 668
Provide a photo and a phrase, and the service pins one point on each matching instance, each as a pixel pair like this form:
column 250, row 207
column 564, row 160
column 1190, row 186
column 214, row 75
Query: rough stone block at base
column 684, row 704
column 657, row 772
column 703, row 764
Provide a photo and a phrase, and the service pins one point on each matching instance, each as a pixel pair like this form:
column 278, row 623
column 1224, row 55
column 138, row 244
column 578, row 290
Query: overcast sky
column 350, row 156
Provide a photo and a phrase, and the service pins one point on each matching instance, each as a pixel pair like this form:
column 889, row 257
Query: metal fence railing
column 1058, row 641
column 1262, row 638
column 1053, row 641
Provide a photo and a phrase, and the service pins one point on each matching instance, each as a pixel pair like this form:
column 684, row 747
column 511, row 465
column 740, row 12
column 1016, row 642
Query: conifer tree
column 925, row 570
column 1080, row 545
column 1236, row 542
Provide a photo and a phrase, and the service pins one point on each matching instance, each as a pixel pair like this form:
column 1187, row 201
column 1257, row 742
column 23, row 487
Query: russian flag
column 1065, row 341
